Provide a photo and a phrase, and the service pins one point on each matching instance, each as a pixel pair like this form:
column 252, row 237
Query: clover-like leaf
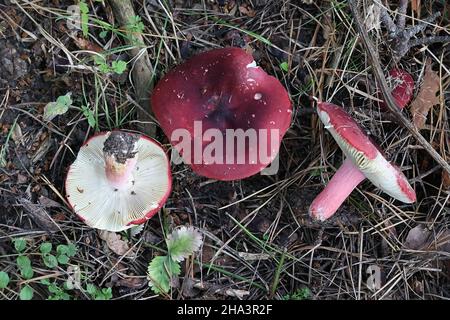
column 160, row 271
column 26, row 293
column 183, row 242
column 4, row 279
column 20, row 244
column 45, row 247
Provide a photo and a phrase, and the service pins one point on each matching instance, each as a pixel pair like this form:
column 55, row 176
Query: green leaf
column 84, row 9
column 105, row 294
column 91, row 289
column 4, row 279
column 53, row 288
column 27, row 273
column 91, row 121
column 63, row 259
column 50, row 260
column 60, row 106
column 45, row 247
column 103, row 34
column 135, row 25
column 62, row 249
column 183, row 242
column 72, row 250
column 284, row 66
column 26, row 293
column 20, row 244
column 160, row 270
column 45, row 282
column 23, row 262
column 119, row 66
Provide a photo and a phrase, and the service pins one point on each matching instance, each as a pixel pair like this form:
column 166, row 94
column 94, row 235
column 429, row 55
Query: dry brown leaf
column 427, row 97
column 132, row 282
column 417, row 238
column 114, row 242
column 445, row 180
column 247, row 11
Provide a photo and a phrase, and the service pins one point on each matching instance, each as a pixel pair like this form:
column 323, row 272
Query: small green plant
column 135, row 25
column 181, row 243
column 63, row 254
column 57, row 293
column 117, row 67
column 84, row 11
column 25, row 268
column 87, row 112
column 4, row 279
column 58, row 107
column 97, row 293
column 299, row 294
column 284, row 66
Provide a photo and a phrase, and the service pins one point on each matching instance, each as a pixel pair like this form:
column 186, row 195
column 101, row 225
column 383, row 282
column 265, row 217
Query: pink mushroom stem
column 341, row 185
column 119, row 174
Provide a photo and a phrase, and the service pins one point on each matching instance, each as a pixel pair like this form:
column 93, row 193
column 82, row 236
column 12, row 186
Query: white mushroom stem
column 119, row 174
column 341, row 185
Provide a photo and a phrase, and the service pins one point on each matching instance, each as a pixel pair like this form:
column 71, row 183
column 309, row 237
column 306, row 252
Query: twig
column 389, row 100
column 142, row 68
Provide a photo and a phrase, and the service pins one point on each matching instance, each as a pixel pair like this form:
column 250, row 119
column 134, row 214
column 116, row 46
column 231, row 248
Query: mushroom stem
column 341, row 185
column 119, row 174
column 120, row 153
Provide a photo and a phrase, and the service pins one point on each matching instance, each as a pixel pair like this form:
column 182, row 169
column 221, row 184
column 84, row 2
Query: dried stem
column 142, row 68
column 387, row 97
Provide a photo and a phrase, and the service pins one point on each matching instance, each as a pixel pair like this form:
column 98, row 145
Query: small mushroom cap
column 223, row 89
column 102, row 206
column 364, row 153
column 402, row 88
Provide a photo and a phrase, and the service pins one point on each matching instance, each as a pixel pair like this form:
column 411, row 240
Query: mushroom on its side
column 364, row 160
column 223, row 89
column 118, row 179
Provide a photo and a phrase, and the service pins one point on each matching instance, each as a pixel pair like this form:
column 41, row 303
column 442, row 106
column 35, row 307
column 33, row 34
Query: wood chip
column 114, row 242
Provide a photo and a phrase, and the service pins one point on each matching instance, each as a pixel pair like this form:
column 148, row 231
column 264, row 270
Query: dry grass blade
column 387, row 96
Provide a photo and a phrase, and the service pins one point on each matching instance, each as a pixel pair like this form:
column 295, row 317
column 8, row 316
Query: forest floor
column 259, row 241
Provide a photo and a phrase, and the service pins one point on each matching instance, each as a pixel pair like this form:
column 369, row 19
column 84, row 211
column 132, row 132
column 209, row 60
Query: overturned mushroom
column 118, row 179
column 364, row 160
column 224, row 114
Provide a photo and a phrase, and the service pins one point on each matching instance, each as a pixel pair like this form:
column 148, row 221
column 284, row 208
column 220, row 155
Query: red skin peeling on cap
column 403, row 90
column 149, row 214
column 221, row 90
column 349, row 130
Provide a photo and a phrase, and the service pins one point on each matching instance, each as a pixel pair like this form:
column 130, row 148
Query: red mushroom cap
column 223, row 89
column 402, row 87
column 364, row 153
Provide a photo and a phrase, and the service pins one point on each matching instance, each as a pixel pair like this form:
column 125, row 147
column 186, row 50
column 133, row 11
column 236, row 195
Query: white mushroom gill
column 104, row 207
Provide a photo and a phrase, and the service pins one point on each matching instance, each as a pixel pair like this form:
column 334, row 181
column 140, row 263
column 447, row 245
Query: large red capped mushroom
column 221, row 96
column 364, row 160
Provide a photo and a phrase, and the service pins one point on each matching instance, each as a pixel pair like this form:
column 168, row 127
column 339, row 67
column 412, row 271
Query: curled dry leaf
column 417, row 238
column 426, row 98
column 420, row 238
column 114, row 242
